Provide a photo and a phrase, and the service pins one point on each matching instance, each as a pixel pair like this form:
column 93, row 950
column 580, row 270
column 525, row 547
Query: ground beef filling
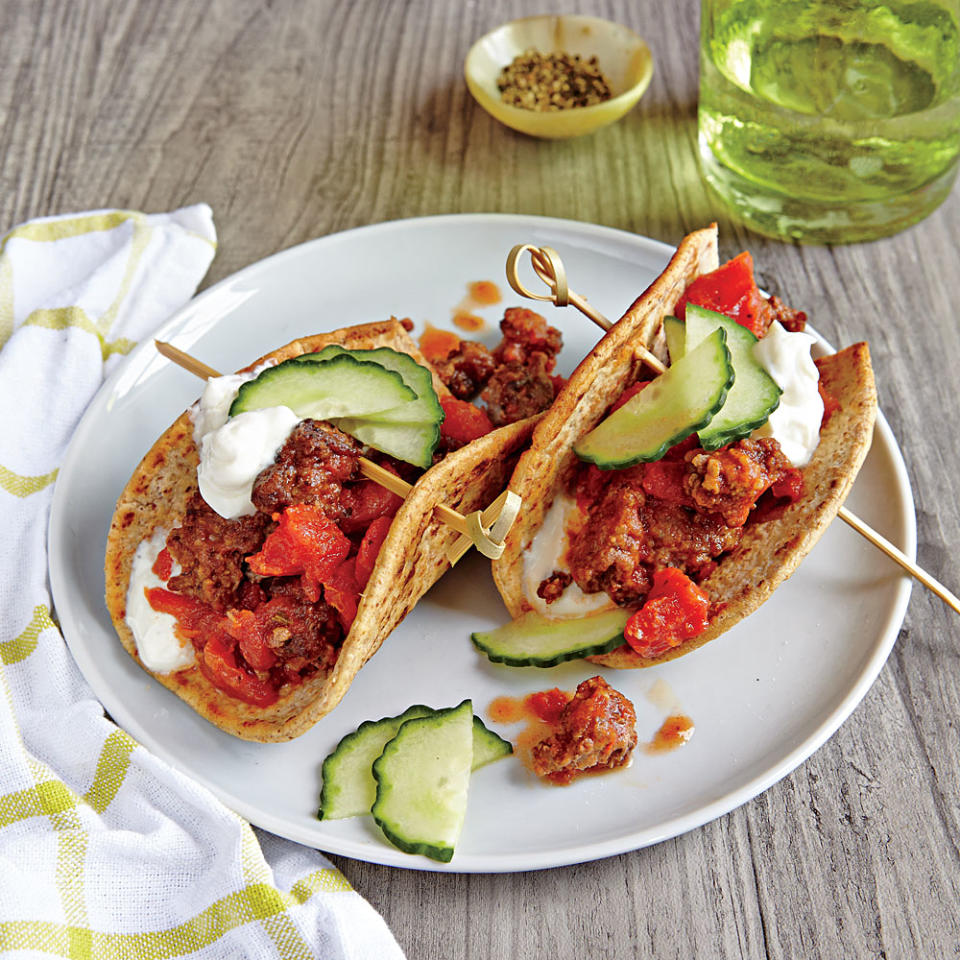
column 311, row 467
column 317, row 465
column 210, row 551
column 514, row 381
column 595, row 731
column 776, row 310
column 636, row 521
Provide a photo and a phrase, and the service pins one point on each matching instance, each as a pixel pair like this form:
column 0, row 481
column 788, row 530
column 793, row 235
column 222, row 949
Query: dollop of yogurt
column 233, row 450
column 232, row 456
column 795, row 424
column 158, row 646
column 213, row 408
column 544, row 556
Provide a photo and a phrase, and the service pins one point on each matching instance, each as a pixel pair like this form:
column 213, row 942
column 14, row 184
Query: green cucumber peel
column 677, row 403
column 675, row 331
column 754, row 394
column 534, row 640
column 410, row 431
column 422, row 779
column 349, row 789
column 338, row 387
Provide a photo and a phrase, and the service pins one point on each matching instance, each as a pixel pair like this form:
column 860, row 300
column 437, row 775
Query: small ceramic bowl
column 622, row 55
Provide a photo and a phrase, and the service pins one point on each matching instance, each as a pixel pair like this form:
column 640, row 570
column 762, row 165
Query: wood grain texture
column 297, row 119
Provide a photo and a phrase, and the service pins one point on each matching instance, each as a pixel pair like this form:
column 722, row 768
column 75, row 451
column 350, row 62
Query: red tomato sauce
column 468, row 321
column 674, row 732
column 484, row 292
column 437, row 344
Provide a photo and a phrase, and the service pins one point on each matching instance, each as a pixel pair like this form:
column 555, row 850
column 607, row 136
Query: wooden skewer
column 918, row 573
column 476, row 531
column 549, row 267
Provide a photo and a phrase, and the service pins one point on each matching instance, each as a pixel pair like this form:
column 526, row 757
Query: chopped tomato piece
column 163, row 565
column 250, row 630
column 463, row 421
column 219, row 665
column 676, row 609
column 732, row 291
column 679, row 450
column 366, row 501
column 789, row 486
column 194, row 617
column 547, row 705
column 370, row 548
column 437, row 345
column 342, row 592
column 591, row 484
column 305, row 541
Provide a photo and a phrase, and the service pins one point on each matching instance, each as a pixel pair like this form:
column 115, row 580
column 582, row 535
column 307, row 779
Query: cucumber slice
column 422, row 779
column 349, row 789
column 424, row 409
column 338, row 387
column 674, row 405
column 487, row 745
column 409, row 432
column 348, row 785
column 411, row 442
column 536, row 641
column 676, row 333
column 754, row 394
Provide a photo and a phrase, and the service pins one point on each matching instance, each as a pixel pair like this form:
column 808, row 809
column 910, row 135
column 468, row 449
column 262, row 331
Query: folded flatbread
column 768, row 552
column 411, row 559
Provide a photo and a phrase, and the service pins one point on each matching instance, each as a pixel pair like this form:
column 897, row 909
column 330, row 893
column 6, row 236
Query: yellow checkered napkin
column 104, row 850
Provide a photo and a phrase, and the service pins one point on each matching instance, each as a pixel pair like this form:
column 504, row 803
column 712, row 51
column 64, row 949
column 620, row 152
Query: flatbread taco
column 253, row 570
column 660, row 510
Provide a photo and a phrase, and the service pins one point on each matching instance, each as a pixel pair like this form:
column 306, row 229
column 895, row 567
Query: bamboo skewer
column 549, row 268
column 483, row 529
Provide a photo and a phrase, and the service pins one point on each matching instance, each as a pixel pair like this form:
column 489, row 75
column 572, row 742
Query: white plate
column 763, row 697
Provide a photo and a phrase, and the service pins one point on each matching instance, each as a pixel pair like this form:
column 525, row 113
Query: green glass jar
column 830, row 121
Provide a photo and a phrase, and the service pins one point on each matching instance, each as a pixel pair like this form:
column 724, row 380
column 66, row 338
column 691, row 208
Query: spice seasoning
column 553, row 81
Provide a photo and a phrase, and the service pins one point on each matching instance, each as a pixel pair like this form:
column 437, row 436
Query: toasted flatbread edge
column 411, row 560
column 770, row 551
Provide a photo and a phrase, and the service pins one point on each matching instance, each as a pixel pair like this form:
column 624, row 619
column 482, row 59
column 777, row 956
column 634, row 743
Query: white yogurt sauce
column 234, row 450
column 211, row 411
column 160, row 649
column 542, row 558
column 233, row 455
column 795, row 424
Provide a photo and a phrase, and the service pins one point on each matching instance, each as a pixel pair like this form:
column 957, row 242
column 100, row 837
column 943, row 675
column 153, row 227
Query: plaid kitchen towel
column 105, row 851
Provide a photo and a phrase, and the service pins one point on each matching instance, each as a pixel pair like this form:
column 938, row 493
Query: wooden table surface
column 295, row 120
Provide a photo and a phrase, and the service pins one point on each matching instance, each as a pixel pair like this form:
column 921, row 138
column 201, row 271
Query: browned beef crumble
column 210, row 551
column 467, row 370
column 311, row 467
column 552, row 588
column 728, row 481
column 596, row 731
column 516, row 380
